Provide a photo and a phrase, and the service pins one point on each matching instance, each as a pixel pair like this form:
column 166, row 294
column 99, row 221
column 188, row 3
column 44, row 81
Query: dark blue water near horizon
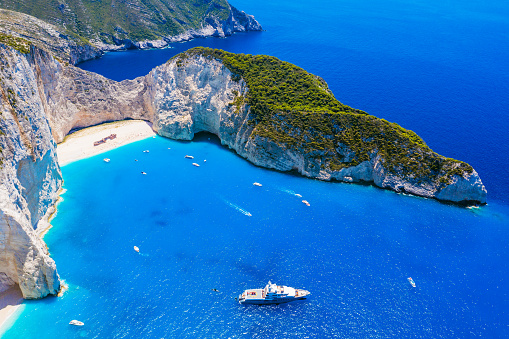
column 436, row 67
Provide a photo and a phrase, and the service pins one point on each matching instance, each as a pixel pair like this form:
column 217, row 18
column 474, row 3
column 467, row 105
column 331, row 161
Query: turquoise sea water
column 353, row 248
column 436, row 67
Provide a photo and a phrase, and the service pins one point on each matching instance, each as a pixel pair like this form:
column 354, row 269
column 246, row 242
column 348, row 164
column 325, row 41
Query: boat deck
column 257, row 293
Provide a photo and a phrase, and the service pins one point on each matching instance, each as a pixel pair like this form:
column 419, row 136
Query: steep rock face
column 237, row 21
column 192, row 98
column 29, row 180
column 467, row 189
column 74, row 98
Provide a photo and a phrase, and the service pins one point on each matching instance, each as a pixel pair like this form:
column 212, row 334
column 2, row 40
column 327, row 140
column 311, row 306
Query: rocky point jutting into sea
column 44, row 98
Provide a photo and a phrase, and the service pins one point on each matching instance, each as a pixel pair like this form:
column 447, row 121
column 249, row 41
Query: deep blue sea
column 438, row 68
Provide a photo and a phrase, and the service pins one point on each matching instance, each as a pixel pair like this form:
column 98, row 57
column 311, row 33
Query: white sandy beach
column 80, row 144
column 10, row 300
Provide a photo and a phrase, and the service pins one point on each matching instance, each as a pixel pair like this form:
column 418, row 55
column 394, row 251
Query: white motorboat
column 272, row 294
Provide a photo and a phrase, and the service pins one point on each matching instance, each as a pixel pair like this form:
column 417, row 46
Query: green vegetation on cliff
column 18, row 44
column 136, row 20
column 295, row 108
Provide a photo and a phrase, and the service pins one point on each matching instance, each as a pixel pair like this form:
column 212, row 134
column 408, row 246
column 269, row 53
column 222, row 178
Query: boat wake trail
column 241, row 210
column 284, row 190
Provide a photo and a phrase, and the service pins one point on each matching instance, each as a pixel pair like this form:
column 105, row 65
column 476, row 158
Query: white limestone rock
column 29, row 179
column 74, row 98
column 192, row 97
column 464, row 189
column 238, row 21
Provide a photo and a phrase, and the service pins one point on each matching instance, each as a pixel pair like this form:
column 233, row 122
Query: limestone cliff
column 29, row 179
column 74, row 98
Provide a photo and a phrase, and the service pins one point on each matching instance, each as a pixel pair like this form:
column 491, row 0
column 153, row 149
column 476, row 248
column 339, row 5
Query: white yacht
column 272, row 294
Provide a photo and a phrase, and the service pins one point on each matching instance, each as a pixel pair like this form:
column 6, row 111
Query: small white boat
column 195, row 164
column 136, row 249
column 144, row 173
column 411, row 281
column 146, row 151
column 76, row 323
column 257, row 184
column 298, row 195
column 205, row 160
column 306, row 203
column 106, row 160
column 189, row 157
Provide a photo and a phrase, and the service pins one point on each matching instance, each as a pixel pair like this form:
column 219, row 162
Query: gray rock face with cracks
column 29, row 179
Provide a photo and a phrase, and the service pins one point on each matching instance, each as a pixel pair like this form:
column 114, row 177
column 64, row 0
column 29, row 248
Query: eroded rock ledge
column 42, row 99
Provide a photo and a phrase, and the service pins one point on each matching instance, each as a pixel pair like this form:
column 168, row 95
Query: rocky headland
column 270, row 112
column 79, row 30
